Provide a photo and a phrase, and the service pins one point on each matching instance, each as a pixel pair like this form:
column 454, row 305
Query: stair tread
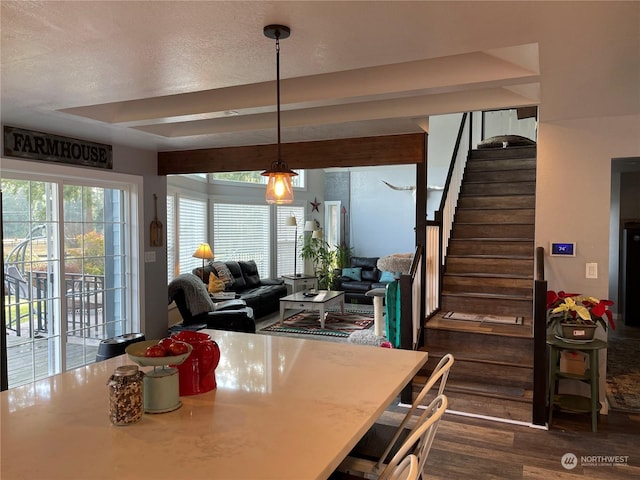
column 437, row 353
column 523, row 331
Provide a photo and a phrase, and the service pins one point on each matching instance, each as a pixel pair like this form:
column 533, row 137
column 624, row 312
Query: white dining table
column 285, row 408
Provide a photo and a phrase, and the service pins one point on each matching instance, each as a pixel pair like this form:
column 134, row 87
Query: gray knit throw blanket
column 195, row 293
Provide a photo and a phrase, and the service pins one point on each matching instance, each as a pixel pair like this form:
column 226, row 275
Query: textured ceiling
column 177, row 75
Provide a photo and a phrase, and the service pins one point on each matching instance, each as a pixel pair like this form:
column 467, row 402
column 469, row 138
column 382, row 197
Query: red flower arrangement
column 575, row 308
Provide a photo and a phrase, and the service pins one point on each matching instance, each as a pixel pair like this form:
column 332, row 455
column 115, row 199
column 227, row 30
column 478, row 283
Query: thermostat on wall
column 563, row 249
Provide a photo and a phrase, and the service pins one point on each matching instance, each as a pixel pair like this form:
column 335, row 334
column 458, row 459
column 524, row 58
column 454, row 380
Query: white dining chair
column 407, row 469
column 419, row 440
column 374, row 450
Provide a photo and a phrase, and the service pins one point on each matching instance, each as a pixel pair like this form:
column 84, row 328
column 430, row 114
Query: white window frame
column 133, row 213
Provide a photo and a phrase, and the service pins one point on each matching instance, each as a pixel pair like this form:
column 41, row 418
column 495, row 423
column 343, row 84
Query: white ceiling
column 177, row 75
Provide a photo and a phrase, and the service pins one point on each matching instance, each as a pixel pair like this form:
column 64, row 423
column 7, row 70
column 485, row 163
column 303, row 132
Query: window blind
column 171, row 237
column 192, row 231
column 241, row 232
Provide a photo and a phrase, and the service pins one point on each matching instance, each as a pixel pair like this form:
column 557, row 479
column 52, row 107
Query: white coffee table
column 319, row 302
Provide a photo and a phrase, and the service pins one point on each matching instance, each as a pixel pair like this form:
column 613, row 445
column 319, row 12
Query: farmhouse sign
column 34, row 145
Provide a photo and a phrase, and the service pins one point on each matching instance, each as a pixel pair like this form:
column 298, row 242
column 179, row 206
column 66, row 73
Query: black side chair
column 197, row 308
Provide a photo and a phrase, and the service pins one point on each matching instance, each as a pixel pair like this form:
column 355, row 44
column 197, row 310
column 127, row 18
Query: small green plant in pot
column 576, row 317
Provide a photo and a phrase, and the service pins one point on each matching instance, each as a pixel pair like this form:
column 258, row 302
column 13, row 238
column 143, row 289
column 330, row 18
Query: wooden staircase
column 489, row 270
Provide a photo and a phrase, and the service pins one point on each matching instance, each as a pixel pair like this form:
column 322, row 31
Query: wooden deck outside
column 28, row 361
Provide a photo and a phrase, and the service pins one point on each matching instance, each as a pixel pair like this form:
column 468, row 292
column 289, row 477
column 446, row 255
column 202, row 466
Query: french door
column 67, row 268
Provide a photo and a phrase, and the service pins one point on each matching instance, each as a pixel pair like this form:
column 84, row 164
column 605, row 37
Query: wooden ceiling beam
column 350, row 152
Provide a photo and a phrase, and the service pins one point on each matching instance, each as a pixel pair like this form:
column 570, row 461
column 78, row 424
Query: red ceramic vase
column 197, row 373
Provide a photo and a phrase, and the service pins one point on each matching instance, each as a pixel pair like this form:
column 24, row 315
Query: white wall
column 382, row 219
column 573, row 197
column 443, row 131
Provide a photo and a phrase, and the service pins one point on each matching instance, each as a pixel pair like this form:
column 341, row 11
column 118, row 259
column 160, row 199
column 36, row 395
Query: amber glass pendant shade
column 279, row 188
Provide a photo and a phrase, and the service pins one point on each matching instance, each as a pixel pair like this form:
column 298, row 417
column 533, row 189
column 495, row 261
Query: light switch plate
column 149, row 257
column 592, row 270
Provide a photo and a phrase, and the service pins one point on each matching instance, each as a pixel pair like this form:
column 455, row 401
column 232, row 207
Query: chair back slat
column 420, row 439
column 439, row 376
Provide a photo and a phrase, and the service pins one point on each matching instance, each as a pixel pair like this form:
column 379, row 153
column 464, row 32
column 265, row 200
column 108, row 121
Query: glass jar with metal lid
column 126, row 403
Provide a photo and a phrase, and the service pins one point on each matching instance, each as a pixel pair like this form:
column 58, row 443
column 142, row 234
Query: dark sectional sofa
column 261, row 294
column 370, row 278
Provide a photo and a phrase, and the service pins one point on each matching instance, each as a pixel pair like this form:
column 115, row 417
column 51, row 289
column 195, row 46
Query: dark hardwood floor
column 473, row 448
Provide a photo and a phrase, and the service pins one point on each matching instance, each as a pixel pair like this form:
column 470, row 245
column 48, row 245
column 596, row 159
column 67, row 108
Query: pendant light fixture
column 279, row 188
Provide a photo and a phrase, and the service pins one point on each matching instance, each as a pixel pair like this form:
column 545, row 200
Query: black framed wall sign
column 33, row 145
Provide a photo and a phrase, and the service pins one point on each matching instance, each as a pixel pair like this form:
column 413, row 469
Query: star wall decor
column 315, row 204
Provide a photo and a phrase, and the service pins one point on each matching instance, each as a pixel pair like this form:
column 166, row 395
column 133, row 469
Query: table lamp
column 204, row 252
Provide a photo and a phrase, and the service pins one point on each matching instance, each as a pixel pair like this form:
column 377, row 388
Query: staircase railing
column 439, row 230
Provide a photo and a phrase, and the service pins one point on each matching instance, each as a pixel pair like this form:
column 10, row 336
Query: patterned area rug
column 623, row 373
column 335, row 325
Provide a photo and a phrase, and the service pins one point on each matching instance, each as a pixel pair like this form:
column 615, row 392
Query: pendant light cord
column 278, row 87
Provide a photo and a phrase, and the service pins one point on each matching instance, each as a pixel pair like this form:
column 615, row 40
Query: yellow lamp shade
column 203, row 251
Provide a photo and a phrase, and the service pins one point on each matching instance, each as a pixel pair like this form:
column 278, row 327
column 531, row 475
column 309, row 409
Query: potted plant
column 319, row 252
column 576, row 317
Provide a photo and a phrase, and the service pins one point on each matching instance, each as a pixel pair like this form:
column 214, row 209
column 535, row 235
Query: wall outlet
column 592, row 270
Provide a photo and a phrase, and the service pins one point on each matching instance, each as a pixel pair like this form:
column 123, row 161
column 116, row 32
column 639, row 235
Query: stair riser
column 516, row 350
column 500, row 176
column 498, row 201
column 493, row 231
column 489, row 306
column 470, row 247
column 489, row 265
column 491, row 374
column 503, row 153
column 480, row 287
column 476, row 165
column 477, row 404
column 504, row 216
column 510, row 188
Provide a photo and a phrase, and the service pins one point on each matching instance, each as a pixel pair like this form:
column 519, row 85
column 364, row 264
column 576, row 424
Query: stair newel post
column 540, row 362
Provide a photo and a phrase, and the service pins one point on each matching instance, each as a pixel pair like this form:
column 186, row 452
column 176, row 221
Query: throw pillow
column 223, row 273
column 387, row 277
column 215, row 284
column 353, row 273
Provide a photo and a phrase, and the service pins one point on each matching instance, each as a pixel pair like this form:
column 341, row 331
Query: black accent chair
column 197, row 308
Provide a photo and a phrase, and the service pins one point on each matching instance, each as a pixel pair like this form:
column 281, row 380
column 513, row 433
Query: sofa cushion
column 250, row 273
column 364, row 262
column 370, row 272
column 353, row 286
column 215, row 284
column 354, row 273
column 238, row 279
column 386, row 277
column 223, row 273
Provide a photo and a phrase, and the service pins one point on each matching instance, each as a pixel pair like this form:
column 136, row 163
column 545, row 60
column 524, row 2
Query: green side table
column 575, row 403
